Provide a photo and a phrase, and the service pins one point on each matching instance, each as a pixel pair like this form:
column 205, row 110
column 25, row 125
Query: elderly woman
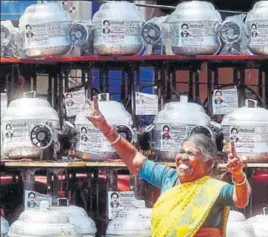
column 191, row 202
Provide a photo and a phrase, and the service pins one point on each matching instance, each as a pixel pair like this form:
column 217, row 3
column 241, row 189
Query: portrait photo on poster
column 8, row 132
column 31, row 203
column 106, row 27
column 74, row 102
column 29, row 33
column 254, row 31
column 218, row 97
column 224, row 101
column 84, row 138
column 166, row 132
column 185, row 30
column 83, row 130
column 115, row 203
column 33, row 199
column 146, row 104
column 234, row 135
column 122, row 200
column 68, row 99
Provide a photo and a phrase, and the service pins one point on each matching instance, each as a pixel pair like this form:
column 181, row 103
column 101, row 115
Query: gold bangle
column 116, row 140
column 241, row 183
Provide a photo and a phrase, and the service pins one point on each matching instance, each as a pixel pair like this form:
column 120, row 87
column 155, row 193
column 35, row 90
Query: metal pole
column 173, row 78
column 216, row 78
column 66, row 80
column 132, row 94
column 209, row 89
column 101, row 79
column 138, row 78
column 123, row 86
column 191, row 84
column 242, row 85
column 197, row 89
column 89, row 81
column 163, row 85
column 34, row 77
column 50, row 89
column 266, row 87
column 12, row 86
column 60, row 100
column 260, row 81
column 107, row 87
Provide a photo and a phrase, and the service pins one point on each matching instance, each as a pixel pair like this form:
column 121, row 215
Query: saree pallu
column 181, row 210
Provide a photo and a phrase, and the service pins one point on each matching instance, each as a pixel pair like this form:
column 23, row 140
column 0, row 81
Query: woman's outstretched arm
column 128, row 153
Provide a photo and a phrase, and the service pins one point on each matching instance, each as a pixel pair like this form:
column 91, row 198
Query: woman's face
column 31, row 198
column 185, row 29
column 189, row 163
column 114, row 198
column 106, row 25
column 234, row 134
column 166, row 131
column 218, row 96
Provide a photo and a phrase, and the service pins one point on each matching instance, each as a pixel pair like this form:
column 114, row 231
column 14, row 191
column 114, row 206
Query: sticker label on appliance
column 90, row 139
column 195, row 33
column 146, row 104
column 258, row 33
column 224, row 101
column 33, row 199
column 17, row 133
column 74, row 102
column 93, row 141
column 119, row 201
column 113, row 31
column 248, row 139
column 172, row 136
column 3, row 104
column 116, row 31
column 47, row 34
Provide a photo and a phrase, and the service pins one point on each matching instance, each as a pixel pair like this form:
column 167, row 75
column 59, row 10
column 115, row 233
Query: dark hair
column 28, row 26
column 83, row 128
column 68, row 94
column 8, row 125
column 29, row 194
column 114, row 194
column 184, row 25
column 105, row 22
column 254, row 25
column 166, row 126
column 234, row 129
column 217, row 92
column 205, row 144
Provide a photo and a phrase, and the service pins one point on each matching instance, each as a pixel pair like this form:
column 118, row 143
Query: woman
column 191, row 202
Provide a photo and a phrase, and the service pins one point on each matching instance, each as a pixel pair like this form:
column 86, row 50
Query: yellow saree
column 181, row 210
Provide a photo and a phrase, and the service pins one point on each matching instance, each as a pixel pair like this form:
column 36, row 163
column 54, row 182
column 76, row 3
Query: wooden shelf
column 250, row 165
column 45, row 164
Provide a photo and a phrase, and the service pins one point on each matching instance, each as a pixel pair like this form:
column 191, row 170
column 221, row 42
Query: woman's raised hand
column 235, row 164
column 95, row 116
